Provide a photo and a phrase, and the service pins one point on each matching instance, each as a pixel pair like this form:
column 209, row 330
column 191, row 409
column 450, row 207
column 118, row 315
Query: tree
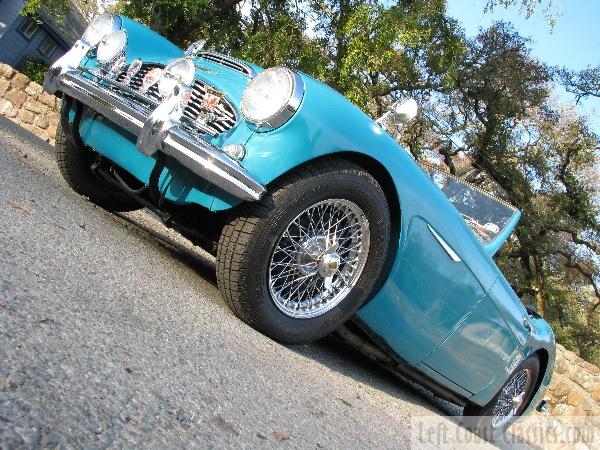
column 59, row 8
column 379, row 52
column 184, row 21
column 540, row 157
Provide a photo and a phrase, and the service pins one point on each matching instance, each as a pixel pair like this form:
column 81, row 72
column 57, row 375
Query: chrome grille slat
column 227, row 61
column 226, row 117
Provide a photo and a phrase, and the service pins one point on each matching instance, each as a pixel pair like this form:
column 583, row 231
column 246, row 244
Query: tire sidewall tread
column 478, row 418
column 74, row 166
column 248, row 239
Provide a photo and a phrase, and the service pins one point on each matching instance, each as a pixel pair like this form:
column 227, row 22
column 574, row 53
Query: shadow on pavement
column 25, row 135
column 329, row 352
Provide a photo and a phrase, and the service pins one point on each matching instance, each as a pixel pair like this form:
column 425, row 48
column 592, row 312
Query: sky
column 573, row 42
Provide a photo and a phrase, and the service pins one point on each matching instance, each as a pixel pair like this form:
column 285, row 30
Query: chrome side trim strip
column 444, row 245
column 201, row 157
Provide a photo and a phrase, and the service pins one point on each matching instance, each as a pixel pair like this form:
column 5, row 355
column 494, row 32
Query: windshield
column 488, row 216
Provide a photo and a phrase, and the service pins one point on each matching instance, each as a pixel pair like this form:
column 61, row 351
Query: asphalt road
column 113, row 333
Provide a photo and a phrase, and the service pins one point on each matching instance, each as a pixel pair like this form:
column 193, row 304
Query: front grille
column 227, row 61
column 222, row 118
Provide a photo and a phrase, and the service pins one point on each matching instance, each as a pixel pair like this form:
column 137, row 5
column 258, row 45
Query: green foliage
column 35, row 70
column 60, row 8
column 184, row 21
column 55, row 7
column 529, row 8
column 398, row 49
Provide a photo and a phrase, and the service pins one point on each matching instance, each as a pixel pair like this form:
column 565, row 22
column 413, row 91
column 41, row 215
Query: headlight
column 272, row 97
column 180, row 71
column 100, row 27
column 111, row 46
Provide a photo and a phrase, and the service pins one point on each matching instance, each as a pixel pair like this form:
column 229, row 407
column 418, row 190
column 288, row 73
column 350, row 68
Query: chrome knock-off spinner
column 319, row 258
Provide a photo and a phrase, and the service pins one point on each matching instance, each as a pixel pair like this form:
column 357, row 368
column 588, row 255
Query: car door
column 442, row 277
column 429, row 295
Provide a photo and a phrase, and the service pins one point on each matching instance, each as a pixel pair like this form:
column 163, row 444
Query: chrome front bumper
column 198, row 155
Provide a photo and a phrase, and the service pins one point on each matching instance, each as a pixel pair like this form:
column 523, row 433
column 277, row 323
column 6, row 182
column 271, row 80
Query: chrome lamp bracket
column 66, row 63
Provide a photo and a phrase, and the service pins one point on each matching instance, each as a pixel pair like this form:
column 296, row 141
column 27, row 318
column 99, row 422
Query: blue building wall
column 15, row 48
column 9, row 11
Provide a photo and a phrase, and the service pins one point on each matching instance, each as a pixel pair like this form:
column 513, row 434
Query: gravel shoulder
column 113, row 333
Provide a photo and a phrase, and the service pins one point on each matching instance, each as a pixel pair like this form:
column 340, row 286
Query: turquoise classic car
column 319, row 220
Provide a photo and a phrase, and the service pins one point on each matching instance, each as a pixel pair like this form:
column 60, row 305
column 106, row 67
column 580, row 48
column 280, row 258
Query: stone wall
column 24, row 102
column 575, row 387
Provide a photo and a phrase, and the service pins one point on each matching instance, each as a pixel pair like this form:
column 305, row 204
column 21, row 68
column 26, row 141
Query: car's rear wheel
column 74, row 163
column 300, row 262
column 492, row 420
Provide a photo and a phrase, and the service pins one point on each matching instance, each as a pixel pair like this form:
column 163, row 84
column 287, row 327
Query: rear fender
column 542, row 342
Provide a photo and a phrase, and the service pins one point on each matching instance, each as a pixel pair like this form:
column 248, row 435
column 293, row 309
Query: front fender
column 327, row 123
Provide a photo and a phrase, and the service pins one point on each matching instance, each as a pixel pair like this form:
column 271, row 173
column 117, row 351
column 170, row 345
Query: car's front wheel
column 300, row 262
column 74, row 164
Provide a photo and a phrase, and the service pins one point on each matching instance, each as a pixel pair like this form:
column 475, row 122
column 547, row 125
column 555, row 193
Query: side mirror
column 399, row 113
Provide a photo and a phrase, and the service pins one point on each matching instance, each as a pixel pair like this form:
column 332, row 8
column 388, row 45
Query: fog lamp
column 111, row 47
column 100, row 27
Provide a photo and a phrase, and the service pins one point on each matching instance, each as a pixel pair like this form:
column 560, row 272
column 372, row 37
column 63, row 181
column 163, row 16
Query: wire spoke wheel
column 300, row 262
column 511, row 398
column 319, row 258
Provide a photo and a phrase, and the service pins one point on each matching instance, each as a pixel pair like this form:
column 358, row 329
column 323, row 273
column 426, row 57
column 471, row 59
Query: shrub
column 35, row 70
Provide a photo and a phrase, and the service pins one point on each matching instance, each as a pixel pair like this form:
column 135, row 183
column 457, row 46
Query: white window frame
column 51, row 44
column 28, row 28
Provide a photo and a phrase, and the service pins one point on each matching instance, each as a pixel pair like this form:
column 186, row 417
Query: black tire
column 74, row 165
column 250, row 235
column 478, row 419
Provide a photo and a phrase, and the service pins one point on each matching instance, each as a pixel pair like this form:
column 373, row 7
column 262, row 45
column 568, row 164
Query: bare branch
column 571, row 264
column 576, row 238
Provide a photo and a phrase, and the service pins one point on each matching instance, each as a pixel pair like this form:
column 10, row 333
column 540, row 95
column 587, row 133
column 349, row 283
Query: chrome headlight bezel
column 278, row 114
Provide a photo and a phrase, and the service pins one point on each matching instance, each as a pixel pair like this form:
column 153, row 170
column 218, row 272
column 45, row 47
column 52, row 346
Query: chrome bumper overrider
column 201, row 157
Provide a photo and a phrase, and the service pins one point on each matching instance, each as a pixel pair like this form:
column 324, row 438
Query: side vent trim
column 444, row 245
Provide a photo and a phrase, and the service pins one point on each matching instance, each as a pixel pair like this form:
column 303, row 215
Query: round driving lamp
column 100, row 27
column 272, row 97
column 179, row 72
column 111, row 47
